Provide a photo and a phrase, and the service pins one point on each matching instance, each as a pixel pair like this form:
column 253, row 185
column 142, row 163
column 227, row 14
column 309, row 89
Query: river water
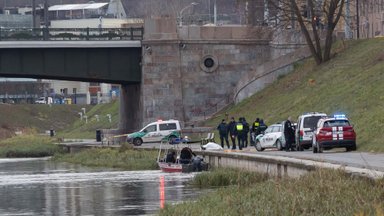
column 43, row 187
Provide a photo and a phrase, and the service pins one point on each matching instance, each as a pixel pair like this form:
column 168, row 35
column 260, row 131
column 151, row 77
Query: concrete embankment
column 279, row 166
column 274, row 165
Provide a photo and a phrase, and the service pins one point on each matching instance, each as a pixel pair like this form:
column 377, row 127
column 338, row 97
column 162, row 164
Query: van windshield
column 311, row 121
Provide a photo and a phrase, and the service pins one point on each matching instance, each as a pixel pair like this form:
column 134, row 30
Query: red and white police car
column 334, row 132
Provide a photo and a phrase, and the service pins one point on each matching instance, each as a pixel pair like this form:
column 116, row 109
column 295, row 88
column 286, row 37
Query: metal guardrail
column 75, row 34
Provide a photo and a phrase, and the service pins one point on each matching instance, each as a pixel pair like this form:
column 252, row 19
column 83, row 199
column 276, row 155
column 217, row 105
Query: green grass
column 351, row 83
column 80, row 129
column 38, row 117
column 28, row 146
column 225, row 177
column 63, row 118
column 126, row 159
column 323, row 192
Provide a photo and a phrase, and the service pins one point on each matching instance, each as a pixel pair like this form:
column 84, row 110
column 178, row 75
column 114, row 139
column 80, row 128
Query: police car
column 155, row 132
column 273, row 137
column 334, row 132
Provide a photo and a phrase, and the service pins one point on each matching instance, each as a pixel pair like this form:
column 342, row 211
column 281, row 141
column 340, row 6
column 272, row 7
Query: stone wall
column 191, row 76
column 263, row 75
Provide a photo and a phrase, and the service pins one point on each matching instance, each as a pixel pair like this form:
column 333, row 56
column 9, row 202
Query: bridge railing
column 63, row 34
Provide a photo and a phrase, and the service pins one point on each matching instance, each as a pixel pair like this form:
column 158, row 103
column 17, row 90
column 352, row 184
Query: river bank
column 124, row 158
column 323, row 192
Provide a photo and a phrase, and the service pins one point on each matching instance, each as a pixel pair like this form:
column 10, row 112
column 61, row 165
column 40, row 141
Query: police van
column 306, row 125
column 155, row 132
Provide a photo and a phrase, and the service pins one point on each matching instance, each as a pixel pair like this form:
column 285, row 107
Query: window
column 269, row 130
column 169, row 126
column 276, row 129
column 151, row 128
column 336, row 123
column 311, row 121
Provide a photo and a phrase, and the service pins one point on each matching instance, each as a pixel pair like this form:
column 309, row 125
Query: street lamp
column 182, row 10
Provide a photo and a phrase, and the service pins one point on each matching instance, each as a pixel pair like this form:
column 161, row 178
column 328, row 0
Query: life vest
column 239, row 127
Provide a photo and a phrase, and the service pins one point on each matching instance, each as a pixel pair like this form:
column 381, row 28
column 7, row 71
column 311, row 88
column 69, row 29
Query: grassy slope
column 80, row 129
column 351, row 83
column 36, row 116
column 323, row 192
column 65, row 119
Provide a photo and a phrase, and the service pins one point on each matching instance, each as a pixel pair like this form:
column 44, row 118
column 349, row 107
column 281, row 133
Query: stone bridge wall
column 176, row 81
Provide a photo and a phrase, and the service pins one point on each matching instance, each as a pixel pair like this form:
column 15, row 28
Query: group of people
column 240, row 130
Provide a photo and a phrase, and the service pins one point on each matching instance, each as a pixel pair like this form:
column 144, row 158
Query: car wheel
column 137, row 142
column 258, row 146
column 353, row 148
column 278, row 145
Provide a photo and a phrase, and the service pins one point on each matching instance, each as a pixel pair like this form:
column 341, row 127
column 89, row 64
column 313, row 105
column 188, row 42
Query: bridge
column 167, row 72
column 88, row 55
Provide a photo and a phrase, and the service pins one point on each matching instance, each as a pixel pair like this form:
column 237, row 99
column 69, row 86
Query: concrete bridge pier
column 130, row 108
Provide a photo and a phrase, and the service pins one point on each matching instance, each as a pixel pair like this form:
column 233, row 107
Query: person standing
column 262, row 127
column 240, row 133
column 232, row 132
column 288, row 134
column 223, row 131
column 254, row 130
column 246, row 131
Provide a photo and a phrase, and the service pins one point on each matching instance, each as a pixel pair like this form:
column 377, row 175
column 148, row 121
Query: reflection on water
column 42, row 187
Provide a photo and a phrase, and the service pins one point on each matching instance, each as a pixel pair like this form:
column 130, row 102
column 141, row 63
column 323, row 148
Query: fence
column 60, row 34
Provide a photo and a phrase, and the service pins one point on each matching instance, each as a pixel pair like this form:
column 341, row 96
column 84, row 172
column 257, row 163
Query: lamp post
column 182, row 10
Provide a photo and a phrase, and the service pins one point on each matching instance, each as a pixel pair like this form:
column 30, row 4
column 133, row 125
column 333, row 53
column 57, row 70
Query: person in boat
column 186, row 155
column 171, row 157
column 197, row 164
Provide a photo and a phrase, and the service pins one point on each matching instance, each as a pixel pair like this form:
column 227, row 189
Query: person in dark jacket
column 232, row 132
column 254, row 130
column 223, row 131
column 262, row 127
column 171, row 157
column 240, row 133
column 288, row 134
column 246, row 131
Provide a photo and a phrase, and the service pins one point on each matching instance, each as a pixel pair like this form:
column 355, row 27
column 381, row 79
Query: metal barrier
column 64, row 34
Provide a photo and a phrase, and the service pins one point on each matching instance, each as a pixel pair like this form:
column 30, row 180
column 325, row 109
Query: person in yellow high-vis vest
column 254, row 130
column 240, row 132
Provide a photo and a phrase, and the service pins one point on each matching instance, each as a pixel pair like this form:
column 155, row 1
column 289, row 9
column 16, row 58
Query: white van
column 155, row 132
column 306, row 125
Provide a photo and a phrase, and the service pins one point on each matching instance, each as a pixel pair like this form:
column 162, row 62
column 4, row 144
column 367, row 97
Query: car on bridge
column 334, row 132
column 156, row 132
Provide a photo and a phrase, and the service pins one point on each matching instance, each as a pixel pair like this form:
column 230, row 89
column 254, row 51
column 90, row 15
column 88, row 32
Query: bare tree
column 314, row 17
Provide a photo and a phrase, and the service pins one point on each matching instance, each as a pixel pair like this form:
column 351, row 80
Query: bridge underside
column 120, row 65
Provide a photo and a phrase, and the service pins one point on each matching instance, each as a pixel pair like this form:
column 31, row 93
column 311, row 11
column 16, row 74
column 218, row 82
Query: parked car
column 155, row 132
column 44, row 100
column 306, row 124
column 334, row 132
column 40, row 100
column 271, row 138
